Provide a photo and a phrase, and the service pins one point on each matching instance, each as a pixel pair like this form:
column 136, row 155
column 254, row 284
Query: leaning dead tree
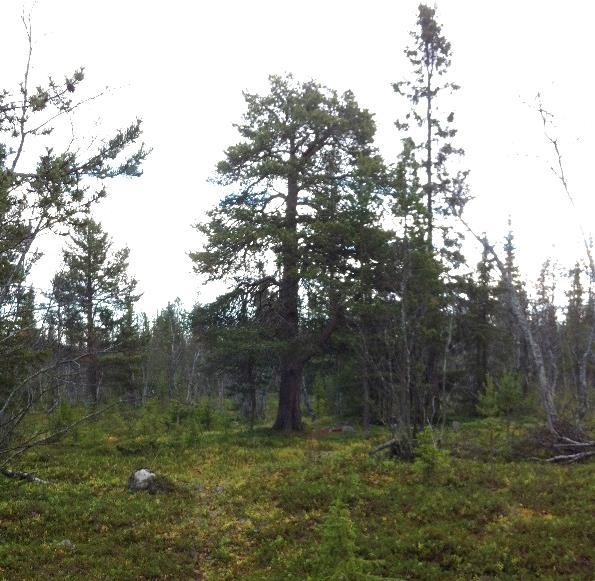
column 573, row 449
column 546, row 389
column 557, row 169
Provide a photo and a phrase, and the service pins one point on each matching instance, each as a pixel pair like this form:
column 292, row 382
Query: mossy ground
column 254, row 505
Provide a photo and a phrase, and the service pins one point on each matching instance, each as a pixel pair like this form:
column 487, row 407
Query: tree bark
column 289, row 416
column 93, row 376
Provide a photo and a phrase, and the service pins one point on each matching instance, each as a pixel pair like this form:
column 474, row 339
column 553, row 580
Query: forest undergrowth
column 257, row 505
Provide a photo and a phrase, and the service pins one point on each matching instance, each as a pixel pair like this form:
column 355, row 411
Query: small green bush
column 337, row 558
column 431, row 462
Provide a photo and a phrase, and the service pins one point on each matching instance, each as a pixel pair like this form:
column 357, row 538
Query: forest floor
column 253, row 505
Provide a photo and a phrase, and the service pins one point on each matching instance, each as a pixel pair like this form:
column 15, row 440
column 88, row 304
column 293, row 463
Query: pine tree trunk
column 289, row 417
column 292, row 366
column 252, row 405
column 250, row 382
column 93, row 377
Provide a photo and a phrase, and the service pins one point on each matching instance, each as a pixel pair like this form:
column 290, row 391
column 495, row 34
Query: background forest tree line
column 348, row 290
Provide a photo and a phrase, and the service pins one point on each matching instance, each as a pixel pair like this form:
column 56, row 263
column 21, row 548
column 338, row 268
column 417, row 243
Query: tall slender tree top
column 444, row 186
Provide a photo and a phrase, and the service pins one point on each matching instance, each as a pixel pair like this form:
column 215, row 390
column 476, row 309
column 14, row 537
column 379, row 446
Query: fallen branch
column 574, row 444
column 22, row 476
column 571, row 458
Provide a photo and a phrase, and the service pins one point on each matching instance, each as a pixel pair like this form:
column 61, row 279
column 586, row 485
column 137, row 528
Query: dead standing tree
column 557, row 169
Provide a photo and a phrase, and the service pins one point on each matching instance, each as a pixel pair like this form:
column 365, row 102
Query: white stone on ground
column 141, row 479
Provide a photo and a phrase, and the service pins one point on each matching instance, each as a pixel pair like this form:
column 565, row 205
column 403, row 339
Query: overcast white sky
column 181, row 66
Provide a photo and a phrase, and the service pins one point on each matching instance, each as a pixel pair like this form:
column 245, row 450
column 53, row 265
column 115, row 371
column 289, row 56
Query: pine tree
column 301, row 142
column 95, row 292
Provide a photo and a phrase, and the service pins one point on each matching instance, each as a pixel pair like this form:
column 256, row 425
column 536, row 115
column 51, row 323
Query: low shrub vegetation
column 250, row 504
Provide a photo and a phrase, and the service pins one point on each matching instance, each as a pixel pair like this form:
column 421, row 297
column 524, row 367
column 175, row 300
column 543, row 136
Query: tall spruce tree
column 419, row 311
column 512, row 347
column 434, row 189
column 443, row 186
column 95, row 291
column 301, row 142
column 479, row 323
